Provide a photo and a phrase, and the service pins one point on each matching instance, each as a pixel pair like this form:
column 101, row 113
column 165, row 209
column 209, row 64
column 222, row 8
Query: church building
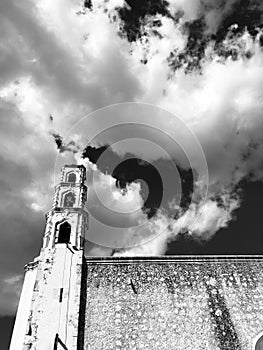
column 74, row 302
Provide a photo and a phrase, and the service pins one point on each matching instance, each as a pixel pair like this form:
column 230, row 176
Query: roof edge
column 172, row 258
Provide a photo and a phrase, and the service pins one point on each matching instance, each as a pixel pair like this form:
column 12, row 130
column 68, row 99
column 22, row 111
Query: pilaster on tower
column 67, row 221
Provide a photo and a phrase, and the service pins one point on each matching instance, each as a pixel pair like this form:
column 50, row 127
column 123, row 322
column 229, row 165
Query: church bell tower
column 48, row 312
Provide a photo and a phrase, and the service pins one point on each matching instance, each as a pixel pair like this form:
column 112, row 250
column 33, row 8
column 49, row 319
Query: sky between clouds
column 200, row 61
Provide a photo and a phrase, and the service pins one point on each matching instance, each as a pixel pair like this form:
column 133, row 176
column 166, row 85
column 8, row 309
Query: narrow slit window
column 29, row 329
column 60, row 295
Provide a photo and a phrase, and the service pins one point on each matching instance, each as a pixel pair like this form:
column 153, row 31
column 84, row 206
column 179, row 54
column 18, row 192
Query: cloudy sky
column 187, row 68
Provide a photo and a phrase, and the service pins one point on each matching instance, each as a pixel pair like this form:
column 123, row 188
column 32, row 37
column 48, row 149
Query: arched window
column 69, row 199
column 64, row 233
column 72, row 177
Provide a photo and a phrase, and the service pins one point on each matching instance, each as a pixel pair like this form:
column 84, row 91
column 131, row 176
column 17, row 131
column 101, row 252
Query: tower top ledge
column 74, row 166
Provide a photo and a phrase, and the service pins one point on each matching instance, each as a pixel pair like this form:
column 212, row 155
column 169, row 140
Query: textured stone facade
column 182, row 303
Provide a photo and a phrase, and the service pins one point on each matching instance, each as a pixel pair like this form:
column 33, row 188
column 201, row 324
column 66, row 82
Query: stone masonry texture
column 175, row 303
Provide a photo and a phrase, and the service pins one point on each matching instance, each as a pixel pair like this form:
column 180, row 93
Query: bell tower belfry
column 68, row 219
column 48, row 311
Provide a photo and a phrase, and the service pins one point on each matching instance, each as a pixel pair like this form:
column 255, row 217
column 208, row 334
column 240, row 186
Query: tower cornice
column 31, row 266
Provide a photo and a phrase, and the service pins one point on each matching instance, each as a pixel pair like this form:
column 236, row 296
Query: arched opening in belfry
column 64, row 233
column 72, row 177
column 259, row 344
column 69, row 199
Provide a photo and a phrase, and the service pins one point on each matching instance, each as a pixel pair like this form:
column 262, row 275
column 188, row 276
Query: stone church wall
column 180, row 303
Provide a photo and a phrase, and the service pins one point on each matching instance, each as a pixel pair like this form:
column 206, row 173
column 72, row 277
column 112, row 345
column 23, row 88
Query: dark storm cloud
column 129, row 168
column 70, row 146
column 59, row 140
column 235, row 19
column 93, row 154
column 134, row 12
column 210, row 23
